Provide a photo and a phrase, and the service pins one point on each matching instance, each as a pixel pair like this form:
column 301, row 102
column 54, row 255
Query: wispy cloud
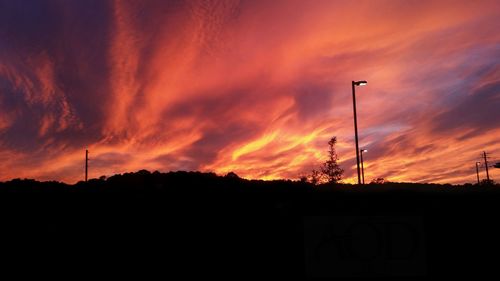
column 254, row 87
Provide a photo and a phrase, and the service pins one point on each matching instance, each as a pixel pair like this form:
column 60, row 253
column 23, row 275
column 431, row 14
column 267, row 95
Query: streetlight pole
column 477, row 171
column 354, row 84
column 362, row 165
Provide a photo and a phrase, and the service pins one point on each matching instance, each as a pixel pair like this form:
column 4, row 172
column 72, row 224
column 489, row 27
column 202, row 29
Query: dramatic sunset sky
column 254, row 86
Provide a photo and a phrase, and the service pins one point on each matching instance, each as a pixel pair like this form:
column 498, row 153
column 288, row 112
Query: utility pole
column 86, row 163
column 486, row 166
column 477, row 172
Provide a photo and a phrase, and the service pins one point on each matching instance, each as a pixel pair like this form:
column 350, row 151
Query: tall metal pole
column 477, row 172
column 356, row 130
column 86, row 163
column 362, row 167
column 486, row 166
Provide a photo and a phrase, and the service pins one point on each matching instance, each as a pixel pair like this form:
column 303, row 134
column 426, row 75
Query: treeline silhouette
column 208, row 192
column 194, row 182
column 202, row 224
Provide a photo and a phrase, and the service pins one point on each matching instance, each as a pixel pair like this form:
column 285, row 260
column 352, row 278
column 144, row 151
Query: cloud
column 479, row 110
column 254, row 87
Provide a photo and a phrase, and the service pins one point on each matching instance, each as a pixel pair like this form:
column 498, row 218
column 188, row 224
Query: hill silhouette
column 201, row 224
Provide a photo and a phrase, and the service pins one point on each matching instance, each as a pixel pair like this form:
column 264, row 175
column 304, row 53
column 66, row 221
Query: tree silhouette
column 232, row 175
column 315, row 177
column 487, row 182
column 330, row 169
column 497, row 165
column 378, row 181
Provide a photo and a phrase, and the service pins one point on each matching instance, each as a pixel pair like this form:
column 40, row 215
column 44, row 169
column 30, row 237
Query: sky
column 253, row 86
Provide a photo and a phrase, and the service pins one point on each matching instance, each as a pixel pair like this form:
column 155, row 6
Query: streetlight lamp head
column 360, row 83
column 364, row 150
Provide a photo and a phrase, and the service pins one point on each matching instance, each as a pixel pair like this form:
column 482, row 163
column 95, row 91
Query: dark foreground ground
column 202, row 225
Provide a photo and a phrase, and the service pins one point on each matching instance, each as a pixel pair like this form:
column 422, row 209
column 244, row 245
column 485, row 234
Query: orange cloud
column 254, row 87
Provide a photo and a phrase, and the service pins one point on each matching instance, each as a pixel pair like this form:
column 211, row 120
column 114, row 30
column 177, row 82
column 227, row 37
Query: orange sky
column 255, row 87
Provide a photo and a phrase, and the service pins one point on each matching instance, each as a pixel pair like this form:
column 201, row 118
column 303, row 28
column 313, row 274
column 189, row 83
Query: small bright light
column 361, row 83
column 364, row 150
